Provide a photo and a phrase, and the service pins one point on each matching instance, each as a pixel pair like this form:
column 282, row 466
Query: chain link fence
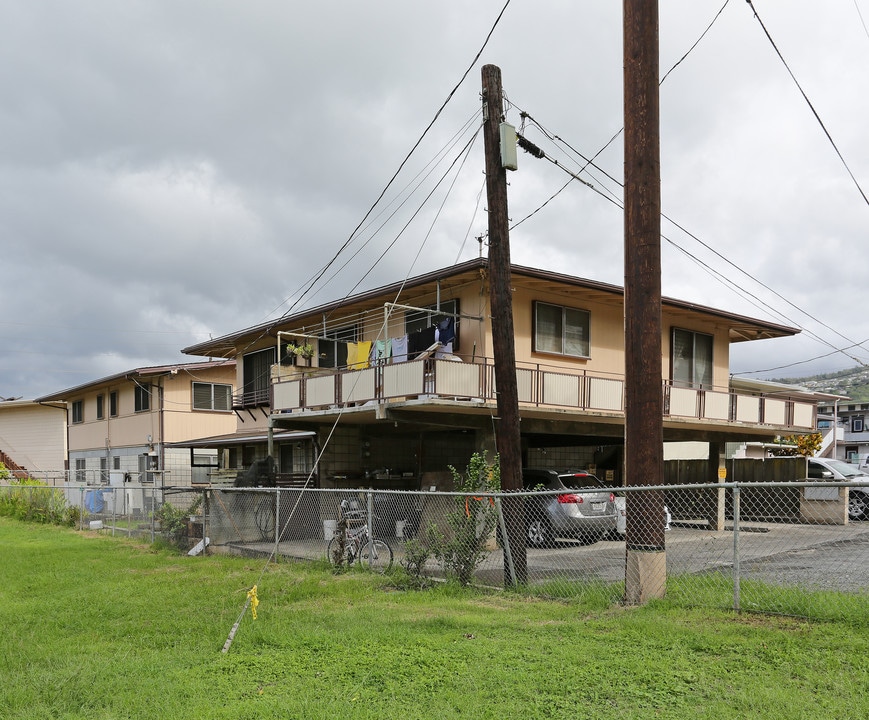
column 790, row 548
column 773, row 547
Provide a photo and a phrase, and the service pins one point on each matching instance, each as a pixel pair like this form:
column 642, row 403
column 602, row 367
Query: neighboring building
column 33, row 438
column 850, row 421
column 391, row 408
column 124, row 422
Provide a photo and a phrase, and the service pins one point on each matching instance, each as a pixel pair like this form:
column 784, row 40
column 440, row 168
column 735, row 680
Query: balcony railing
column 251, row 398
column 538, row 386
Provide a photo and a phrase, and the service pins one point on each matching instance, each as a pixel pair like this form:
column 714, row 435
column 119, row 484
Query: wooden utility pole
column 645, row 570
column 507, row 435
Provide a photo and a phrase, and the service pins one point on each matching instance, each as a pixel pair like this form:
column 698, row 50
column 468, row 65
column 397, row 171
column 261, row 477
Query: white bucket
column 329, row 527
column 399, row 528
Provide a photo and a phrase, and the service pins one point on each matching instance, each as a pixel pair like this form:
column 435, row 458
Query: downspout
column 160, row 429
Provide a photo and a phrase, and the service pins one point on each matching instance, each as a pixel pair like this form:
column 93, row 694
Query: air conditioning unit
column 135, row 500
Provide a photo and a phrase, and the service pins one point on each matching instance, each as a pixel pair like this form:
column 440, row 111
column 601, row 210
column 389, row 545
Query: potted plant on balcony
column 303, row 353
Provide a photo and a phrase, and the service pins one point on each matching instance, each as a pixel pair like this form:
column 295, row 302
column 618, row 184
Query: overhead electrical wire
column 557, row 139
column 736, row 288
column 353, row 234
column 621, row 129
column 862, row 21
column 464, row 156
column 309, row 285
column 462, row 153
column 590, row 163
column 809, row 102
column 799, row 362
column 318, row 275
column 403, row 162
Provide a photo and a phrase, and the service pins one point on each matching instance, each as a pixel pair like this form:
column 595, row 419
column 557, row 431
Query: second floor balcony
column 467, row 384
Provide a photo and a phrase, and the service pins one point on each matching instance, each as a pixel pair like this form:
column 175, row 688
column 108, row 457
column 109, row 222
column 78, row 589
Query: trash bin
column 329, row 527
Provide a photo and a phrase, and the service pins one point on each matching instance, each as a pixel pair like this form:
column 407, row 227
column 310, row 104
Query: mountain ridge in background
column 854, row 383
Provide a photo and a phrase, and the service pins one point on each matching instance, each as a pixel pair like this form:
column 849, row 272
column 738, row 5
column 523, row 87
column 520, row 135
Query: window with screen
column 561, row 330
column 691, row 358
column 143, row 398
column 212, row 396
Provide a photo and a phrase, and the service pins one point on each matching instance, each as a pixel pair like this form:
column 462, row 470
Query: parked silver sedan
column 581, row 509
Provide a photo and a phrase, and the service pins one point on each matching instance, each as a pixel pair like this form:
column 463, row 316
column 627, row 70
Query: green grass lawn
column 100, row 627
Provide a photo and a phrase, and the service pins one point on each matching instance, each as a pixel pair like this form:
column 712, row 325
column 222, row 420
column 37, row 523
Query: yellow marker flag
column 254, row 601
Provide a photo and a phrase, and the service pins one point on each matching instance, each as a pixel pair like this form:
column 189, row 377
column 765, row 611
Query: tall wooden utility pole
column 645, row 570
column 507, row 435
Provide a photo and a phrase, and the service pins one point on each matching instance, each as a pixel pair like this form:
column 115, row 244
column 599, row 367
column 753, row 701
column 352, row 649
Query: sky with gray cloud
column 172, row 171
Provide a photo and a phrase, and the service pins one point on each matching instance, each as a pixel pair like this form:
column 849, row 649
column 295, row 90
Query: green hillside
column 853, row 383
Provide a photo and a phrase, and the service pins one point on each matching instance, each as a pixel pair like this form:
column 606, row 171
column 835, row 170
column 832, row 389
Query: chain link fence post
column 736, row 558
column 277, row 523
column 505, row 541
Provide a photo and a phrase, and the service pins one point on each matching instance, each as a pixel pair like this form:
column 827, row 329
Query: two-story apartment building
column 125, row 422
column 400, row 381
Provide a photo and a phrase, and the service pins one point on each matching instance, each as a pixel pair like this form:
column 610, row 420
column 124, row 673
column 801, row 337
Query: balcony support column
column 717, row 474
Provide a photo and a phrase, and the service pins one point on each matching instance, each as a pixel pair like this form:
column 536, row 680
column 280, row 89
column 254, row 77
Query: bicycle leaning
column 358, row 545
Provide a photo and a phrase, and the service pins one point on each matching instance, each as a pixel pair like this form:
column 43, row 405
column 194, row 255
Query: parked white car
column 622, row 515
column 858, row 497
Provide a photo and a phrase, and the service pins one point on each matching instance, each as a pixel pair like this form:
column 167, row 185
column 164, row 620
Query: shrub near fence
column 31, row 501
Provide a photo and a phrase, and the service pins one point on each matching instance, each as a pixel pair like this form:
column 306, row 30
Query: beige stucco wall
column 131, row 429
column 606, row 333
column 180, row 420
column 34, row 436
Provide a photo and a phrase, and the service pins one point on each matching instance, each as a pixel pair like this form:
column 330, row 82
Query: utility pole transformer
column 645, row 569
column 507, row 434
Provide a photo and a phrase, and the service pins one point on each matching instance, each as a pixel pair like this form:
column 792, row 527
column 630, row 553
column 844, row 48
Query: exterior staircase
column 829, row 441
column 17, row 471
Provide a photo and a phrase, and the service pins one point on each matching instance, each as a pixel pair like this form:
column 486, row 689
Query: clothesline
column 365, row 353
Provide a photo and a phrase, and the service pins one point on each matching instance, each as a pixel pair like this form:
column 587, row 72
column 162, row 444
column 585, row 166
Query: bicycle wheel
column 376, row 555
column 264, row 517
column 332, row 553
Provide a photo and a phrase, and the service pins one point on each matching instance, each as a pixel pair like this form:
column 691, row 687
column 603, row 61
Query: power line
column 308, row 286
column 733, row 286
column 415, row 213
column 403, row 162
column 808, row 102
column 621, row 129
column 862, row 21
column 800, row 362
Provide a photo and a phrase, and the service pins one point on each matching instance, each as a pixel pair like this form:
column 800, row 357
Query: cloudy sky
column 172, row 170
